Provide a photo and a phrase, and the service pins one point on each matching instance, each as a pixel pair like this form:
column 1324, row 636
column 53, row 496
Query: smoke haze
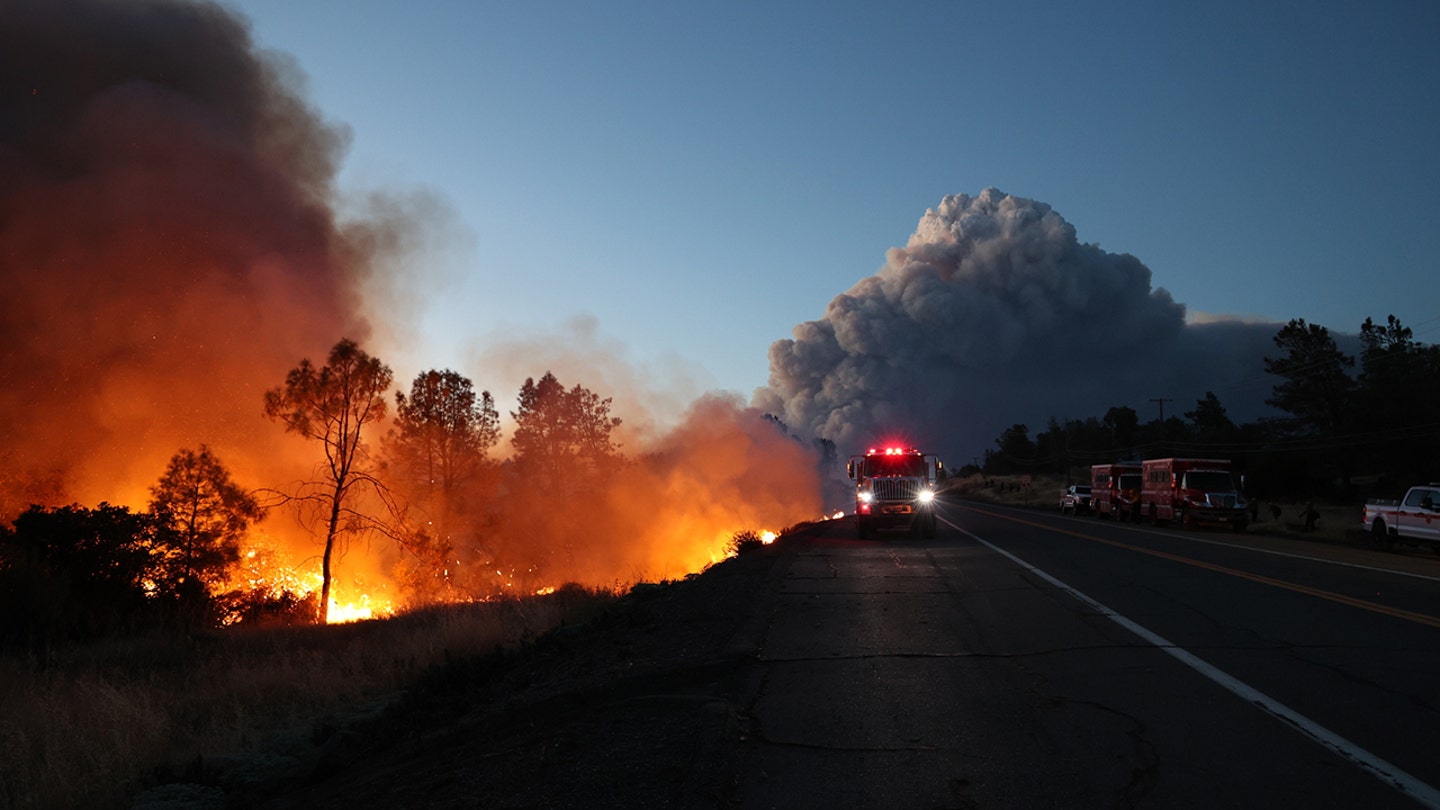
column 992, row 314
column 169, row 247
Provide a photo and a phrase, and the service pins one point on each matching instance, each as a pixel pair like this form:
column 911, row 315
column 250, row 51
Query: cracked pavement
column 936, row 674
column 903, row 673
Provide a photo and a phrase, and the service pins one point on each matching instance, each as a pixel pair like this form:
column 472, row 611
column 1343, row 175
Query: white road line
column 1416, row 789
column 1272, row 552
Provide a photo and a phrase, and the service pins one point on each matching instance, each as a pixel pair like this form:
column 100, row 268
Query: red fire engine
column 1115, row 489
column 894, row 489
column 1192, row 490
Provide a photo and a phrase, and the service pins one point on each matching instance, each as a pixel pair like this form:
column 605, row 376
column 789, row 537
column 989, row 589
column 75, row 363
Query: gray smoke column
column 992, row 314
column 168, row 248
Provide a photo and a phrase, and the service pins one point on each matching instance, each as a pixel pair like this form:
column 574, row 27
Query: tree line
column 428, row 484
column 1348, row 429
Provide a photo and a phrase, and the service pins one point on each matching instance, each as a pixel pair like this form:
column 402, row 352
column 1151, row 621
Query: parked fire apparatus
column 1115, row 489
column 1192, row 490
column 894, row 489
column 1412, row 519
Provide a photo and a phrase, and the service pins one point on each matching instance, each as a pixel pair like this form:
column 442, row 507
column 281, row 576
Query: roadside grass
column 91, row 725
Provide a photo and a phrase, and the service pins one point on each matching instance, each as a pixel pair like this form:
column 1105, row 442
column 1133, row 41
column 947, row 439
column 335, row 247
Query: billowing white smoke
column 994, row 314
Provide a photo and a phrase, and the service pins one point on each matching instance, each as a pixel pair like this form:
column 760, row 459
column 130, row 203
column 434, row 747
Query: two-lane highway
column 1023, row 659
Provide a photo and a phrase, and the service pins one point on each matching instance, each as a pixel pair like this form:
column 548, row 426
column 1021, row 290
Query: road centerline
column 1400, row 780
column 1351, row 601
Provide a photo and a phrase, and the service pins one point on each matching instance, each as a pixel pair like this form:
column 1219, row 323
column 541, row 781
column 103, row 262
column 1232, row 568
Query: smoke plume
column 168, row 249
column 995, row 314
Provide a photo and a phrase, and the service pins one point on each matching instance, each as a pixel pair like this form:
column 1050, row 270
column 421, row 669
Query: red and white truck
column 1192, row 490
column 1115, row 489
column 894, row 489
column 1412, row 519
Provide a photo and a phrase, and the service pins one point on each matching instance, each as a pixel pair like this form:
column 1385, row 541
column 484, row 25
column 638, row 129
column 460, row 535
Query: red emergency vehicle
column 1192, row 490
column 1115, row 489
column 895, row 489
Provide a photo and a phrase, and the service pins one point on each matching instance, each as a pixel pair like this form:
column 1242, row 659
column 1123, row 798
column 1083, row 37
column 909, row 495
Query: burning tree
column 563, row 449
column 561, row 435
column 332, row 405
column 442, row 432
column 437, row 452
column 206, row 513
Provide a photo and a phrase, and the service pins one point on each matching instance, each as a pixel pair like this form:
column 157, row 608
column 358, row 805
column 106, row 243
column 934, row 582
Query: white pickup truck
column 1412, row 519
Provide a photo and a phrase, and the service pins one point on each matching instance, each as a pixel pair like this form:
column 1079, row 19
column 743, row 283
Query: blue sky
column 700, row 178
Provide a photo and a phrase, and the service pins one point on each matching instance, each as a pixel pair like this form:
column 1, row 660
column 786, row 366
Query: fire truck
column 1192, row 490
column 1115, row 489
column 894, row 489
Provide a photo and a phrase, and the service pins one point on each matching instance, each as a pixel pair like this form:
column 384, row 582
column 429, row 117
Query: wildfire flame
column 145, row 313
column 352, row 612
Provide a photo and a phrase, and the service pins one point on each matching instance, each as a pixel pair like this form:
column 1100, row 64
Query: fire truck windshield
column 910, row 466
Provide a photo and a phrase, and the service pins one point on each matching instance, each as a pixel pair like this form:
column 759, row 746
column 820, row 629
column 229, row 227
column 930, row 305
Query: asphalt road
column 1025, row 659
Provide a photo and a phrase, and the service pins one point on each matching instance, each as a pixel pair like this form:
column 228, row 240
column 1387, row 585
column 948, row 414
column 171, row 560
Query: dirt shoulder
column 634, row 709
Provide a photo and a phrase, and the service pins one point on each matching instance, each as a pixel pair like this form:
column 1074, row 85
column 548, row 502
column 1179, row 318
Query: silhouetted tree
column 437, row 455
column 827, row 457
column 332, row 405
column 560, row 434
column 443, row 431
column 207, row 514
column 1015, row 451
column 1399, row 384
column 1051, row 447
column 1123, row 423
column 72, row 572
column 1209, row 416
column 1316, row 388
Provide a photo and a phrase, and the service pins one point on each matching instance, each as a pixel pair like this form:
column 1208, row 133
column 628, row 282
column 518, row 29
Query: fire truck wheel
column 862, row 527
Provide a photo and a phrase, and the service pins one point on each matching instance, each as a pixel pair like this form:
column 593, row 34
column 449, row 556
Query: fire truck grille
column 895, row 489
column 1225, row 501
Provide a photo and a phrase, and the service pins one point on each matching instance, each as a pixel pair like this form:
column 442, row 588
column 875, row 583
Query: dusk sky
column 698, row 179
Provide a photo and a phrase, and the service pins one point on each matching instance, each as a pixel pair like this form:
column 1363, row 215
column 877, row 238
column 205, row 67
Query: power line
column 1162, row 401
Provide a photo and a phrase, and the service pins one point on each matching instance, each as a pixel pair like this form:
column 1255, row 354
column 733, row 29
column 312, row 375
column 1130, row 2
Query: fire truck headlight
column 867, row 497
column 925, row 496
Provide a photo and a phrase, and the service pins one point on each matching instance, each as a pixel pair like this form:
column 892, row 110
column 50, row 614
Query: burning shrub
column 744, row 542
column 264, row 607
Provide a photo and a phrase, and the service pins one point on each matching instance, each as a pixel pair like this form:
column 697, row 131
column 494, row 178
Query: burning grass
column 92, row 725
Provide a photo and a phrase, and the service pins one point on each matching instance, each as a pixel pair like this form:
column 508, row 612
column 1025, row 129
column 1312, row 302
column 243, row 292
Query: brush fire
column 176, row 272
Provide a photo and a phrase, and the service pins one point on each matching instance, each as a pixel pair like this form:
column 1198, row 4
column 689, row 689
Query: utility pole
column 1161, row 402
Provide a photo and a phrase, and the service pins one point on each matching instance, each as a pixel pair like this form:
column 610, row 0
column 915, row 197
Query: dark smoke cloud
column 168, row 248
column 993, row 314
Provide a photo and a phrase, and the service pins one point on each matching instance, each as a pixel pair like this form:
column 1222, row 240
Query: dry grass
column 92, row 725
